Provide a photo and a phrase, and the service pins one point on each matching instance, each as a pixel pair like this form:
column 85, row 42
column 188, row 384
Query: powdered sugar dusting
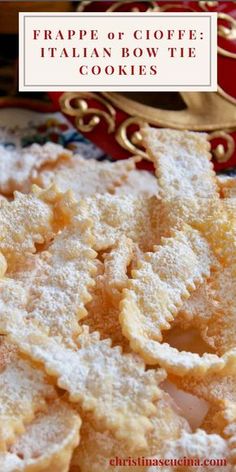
column 52, row 288
column 18, row 166
column 141, row 183
column 111, row 384
column 96, row 448
column 114, row 216
column 199, row 307
column 49, row 431
column 25, row 221
column 47, row 443
column 182, row 162
column 215, row 388
column 47, row 268
column 199, row 445
column 86, row 177
column 23, row 391
column 221, row 327
column 163, row 279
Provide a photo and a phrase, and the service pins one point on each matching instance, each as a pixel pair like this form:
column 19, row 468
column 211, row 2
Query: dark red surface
column 226, row 75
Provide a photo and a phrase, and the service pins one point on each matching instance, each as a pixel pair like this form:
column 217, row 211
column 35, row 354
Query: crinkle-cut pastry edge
column 116, row 263
column 137, row 318
column 162, row 146
column 103, row 309
column 181, row 362
column 93, row 176
column 219, row 330
column 117, row 215
column 33, row 219
column 229, row 419
column 20, row 166
column 128, row 414
column 96, row 447
column 47, row 443
column 65, row 275
column 23, row 392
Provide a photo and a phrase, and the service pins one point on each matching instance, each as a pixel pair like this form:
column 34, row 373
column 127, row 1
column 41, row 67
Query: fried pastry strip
column 52, row 288
column 182, row 163
column 25, row 221
column 97, row 448
column 199, row 446
column 216, row 388
column 159, row 285
column 115, row 216
column 115, row 268
column 219, row 331
column 86, row 176
column 103, row 309
column 32, row 219
column 190, row 195
column 211, row 302
column 139, row 182
column 47, row 443
column 113, row 386
column 162, row 280
column 18, row 167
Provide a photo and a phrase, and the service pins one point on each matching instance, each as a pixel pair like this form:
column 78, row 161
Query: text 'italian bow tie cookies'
column 117, row 310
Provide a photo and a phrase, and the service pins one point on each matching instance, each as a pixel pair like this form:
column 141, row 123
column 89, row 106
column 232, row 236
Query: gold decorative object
column 206, row 5
column 131, row 143
column 214, row 112
column 228, row 32
column 222, row 152
column 75, row 104
column 204, row 111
